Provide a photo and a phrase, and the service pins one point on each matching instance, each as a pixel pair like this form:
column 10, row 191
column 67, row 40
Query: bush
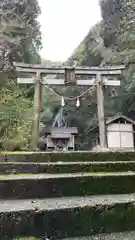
column 12, row 145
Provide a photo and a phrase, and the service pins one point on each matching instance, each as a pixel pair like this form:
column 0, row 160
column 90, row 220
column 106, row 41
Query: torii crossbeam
column 68, row 75
column 49, row 74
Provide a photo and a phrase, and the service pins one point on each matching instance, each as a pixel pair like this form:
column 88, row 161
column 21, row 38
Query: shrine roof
column 119, row 116
column 64, row 130
column 60, row 135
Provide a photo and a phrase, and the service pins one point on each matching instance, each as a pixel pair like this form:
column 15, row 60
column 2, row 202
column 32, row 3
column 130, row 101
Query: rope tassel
column 78, row 102
column 62, row 101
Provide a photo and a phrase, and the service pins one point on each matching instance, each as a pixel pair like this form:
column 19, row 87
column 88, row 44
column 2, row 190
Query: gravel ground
column 112, row 236
column 64, row 203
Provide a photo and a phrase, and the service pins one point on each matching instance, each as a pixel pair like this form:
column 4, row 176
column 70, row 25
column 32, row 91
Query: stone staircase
column 66, row 195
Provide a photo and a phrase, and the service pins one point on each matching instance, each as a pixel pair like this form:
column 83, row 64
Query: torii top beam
column 34, row 68
column 91, row 72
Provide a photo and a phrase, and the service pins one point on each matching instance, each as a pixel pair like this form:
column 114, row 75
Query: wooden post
column 37, row 107
column 100, row 106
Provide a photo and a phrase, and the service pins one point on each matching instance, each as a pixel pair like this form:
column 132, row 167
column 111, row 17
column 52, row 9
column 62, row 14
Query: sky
column 64, row 24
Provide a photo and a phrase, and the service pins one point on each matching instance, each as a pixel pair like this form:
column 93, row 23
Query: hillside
column 112, row 42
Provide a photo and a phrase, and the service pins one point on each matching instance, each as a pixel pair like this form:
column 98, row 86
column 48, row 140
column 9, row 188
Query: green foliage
column 21, row 23
column 16, row 102
column 16, row 113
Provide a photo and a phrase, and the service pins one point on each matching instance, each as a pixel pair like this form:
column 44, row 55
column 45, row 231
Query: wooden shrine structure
column 98, row 77
column 61, row 138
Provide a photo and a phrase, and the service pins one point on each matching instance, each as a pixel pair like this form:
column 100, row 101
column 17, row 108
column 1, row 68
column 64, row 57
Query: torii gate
column 98, row 75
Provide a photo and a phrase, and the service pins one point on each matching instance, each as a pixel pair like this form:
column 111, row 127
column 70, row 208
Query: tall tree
column 26, row 29
column 21, row 36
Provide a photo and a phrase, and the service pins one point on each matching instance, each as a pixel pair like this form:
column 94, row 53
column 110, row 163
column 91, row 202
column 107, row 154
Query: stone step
column 67, row 217
column 64, row 175
column 112, row 236
column 51, row 204
column 66, row 167
column 79, row 156
column 60, row 185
